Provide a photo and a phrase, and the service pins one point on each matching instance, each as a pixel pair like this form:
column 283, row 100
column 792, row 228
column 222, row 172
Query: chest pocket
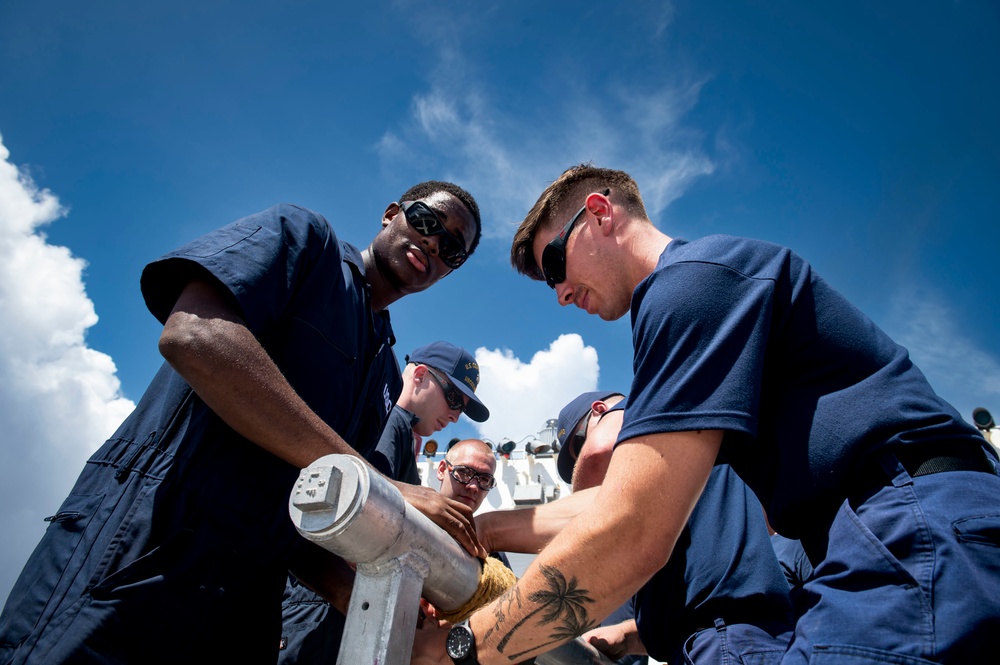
column 381, row 389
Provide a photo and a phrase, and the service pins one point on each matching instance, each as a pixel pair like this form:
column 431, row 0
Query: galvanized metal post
column 341, row 505
column 383, row 611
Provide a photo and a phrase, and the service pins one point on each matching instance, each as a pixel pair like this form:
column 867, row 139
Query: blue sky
column 862, row 135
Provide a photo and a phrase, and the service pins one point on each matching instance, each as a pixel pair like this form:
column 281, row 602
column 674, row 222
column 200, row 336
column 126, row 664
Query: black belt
column 925, row 460
column 918, row 460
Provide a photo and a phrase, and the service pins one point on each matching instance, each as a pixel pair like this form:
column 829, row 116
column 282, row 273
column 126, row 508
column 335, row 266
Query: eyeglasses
column 428, row 223
column 466, row 474
column 554, row 254
column 451, row 394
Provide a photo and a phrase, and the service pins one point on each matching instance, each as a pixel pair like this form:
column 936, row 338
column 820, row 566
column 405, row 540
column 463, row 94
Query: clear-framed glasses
column 452, row 395
column 466, row 475
column 427, row 222
column 554, row 254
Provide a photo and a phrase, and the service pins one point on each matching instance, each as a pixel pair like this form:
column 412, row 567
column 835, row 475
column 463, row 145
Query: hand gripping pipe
column 342, row 506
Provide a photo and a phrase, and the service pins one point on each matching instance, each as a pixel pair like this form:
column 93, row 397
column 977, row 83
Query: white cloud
column 505, row 154
column 59, row 399
column 457, row 124
column 552, row 378
column 962, row 373
column 438, row 117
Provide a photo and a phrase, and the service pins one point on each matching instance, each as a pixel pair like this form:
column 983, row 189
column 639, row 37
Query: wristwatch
column 461, row 644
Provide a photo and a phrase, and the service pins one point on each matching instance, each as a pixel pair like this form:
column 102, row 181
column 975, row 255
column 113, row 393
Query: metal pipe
column 339, row 504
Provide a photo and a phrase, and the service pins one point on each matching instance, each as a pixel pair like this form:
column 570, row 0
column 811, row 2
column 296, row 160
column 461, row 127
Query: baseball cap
column 569, row 418
column 460, row 366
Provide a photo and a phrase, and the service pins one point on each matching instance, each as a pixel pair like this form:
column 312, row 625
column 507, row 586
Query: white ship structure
column 526, row 470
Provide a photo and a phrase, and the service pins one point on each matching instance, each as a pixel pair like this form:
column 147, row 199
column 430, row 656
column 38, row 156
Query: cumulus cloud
column 552, row 377
column 59, row 399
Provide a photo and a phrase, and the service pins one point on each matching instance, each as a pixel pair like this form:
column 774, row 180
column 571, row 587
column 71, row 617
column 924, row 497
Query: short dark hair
column 425, row 189
column 566, row 192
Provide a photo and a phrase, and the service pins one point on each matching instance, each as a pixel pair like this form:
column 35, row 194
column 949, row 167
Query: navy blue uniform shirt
column 741, row 335
column 178, row 522
column 723, row 567
column 394, row 455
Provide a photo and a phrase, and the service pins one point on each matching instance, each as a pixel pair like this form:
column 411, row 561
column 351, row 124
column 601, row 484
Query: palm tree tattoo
column 559, row 600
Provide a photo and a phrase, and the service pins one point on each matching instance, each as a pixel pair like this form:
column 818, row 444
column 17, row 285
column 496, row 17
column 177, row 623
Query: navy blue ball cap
column 569, row 418
column 460, row 366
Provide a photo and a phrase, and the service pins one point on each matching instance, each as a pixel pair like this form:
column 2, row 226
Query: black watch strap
column 461, row 644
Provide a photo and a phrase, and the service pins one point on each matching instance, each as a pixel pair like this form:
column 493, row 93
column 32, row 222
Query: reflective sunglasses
column 427, row 223
column 452, row 395
column 554, row 254
column 466, row 474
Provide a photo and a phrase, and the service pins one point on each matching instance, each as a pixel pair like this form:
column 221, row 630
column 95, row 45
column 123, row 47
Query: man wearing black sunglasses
column 439, row 384
column 742, row 350
column 278, row 350
column 426, row 235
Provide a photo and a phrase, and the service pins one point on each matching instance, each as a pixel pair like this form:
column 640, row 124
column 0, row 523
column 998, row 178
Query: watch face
column 459, row 641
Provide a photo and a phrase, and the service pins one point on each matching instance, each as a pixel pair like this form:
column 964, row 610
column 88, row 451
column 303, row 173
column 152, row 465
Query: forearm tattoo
column 560, row 602
column 504, row 605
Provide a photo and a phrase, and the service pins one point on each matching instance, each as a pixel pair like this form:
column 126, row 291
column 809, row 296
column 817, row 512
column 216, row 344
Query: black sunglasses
column 427, row 223
column 580, row 436
column 466, row 474
column 554, row 254
column 451, row 394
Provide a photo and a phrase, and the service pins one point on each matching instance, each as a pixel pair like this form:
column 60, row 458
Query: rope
column 495, row 580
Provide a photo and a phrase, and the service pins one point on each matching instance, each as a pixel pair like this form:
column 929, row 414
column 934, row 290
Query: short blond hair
column 568, row 191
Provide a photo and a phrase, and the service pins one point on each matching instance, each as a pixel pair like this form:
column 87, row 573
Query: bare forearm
column 633, row 643
column 617, row 640
column 530, row 529
column 207, row 342
column 565, row 592
column 644, row 502
column 229, row 369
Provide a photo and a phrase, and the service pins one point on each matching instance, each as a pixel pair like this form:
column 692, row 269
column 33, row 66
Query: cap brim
column 474, row 409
